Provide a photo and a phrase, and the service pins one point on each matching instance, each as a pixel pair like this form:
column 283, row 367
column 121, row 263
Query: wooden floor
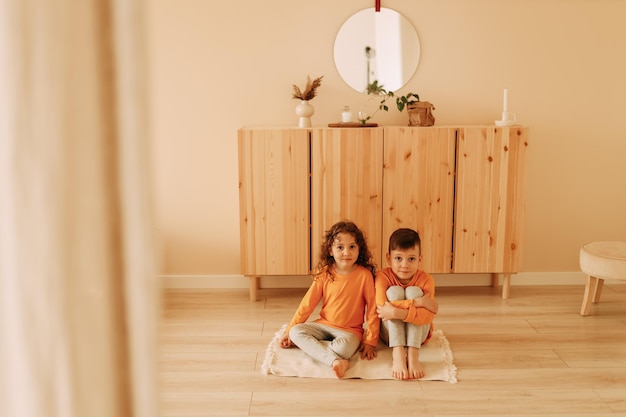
column 530, row 355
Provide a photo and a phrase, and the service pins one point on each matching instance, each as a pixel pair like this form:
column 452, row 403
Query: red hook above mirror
column 378, row 5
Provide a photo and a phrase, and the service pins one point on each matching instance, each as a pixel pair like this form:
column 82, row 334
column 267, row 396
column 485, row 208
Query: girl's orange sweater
column 347, row 299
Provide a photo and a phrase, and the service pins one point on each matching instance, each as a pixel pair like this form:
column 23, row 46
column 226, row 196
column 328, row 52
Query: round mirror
column 376, row 50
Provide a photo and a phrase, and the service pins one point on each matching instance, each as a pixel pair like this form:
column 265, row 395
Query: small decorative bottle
column 346, row 115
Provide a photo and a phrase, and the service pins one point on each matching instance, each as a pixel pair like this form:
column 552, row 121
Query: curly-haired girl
column 344, row 280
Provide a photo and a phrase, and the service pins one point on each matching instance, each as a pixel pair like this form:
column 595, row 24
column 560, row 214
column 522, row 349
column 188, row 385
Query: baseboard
column 441, row 280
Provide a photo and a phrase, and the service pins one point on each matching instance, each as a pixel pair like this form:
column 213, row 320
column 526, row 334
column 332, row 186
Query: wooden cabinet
column 274, row 201
column 419, row 190
column 461, row 188
column 489, row 213
column 294, row 184
column 346, row 183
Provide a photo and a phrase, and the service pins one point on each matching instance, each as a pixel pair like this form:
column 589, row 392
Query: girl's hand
column 367, row 351
column 285, row 341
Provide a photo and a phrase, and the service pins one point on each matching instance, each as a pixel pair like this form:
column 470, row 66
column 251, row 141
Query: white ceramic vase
column 304, row 110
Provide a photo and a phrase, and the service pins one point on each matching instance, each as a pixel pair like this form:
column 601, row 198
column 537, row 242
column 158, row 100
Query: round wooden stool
column 600, row 261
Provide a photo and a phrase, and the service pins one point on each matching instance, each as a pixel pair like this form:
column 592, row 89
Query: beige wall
column 219, row 65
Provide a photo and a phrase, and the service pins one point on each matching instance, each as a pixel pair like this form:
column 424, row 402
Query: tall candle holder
column 508, row 118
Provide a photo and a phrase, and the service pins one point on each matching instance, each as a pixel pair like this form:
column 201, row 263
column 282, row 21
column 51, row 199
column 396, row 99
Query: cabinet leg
column 254, row 286
column 506, row 286
column 495, row 280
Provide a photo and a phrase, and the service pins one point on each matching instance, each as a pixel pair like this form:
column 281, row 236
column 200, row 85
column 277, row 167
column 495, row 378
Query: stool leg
column 598, row 290
column 588, row 297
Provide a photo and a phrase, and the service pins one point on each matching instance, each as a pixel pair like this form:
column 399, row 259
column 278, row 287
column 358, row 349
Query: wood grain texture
column 419, row 190
column 346, row 183
column 532, row 355
column 490, row 189
column 461, row 188
column 274, row 201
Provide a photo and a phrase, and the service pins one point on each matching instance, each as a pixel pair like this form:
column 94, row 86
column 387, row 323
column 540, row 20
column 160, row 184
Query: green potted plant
column 406, row 101
column 420, row 112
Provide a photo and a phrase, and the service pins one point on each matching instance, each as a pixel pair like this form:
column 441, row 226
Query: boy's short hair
column 404, row 239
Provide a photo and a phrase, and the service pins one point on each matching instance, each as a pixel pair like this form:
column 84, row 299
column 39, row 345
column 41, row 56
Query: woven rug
column 435, row 356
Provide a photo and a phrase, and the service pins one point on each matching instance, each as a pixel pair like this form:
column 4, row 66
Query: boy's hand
column 427, row 303
column 285, row 341
column 386, row 311
column 368, row 351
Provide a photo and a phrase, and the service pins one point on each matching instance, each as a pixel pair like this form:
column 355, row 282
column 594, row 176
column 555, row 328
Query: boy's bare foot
column 398, row 364
column 340, row 366
column 415, row 366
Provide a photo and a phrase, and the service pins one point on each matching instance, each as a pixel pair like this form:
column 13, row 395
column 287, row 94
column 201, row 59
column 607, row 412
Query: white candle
column 505, row 105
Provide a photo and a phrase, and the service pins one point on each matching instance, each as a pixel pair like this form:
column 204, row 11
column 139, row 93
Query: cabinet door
column 418, row 190
column 346, row 175
column 274, row 201
column 489, row 199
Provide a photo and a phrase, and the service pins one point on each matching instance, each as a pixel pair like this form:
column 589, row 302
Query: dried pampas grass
column 310, row 91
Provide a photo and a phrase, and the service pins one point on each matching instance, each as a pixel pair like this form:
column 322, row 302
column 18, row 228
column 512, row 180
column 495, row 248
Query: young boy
column 405, row 298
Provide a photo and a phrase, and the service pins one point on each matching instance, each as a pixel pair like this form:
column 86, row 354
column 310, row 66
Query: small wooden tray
column 352, row 124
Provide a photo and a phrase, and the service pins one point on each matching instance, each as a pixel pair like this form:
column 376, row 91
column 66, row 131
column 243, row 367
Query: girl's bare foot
column 398, row 364
column 415, row 370
column 340, row 366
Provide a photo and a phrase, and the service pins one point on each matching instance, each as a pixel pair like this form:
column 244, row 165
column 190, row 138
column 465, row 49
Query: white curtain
column 79, row 298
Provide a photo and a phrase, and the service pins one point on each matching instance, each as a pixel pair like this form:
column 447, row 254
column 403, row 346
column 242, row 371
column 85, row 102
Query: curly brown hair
column 326, row 259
